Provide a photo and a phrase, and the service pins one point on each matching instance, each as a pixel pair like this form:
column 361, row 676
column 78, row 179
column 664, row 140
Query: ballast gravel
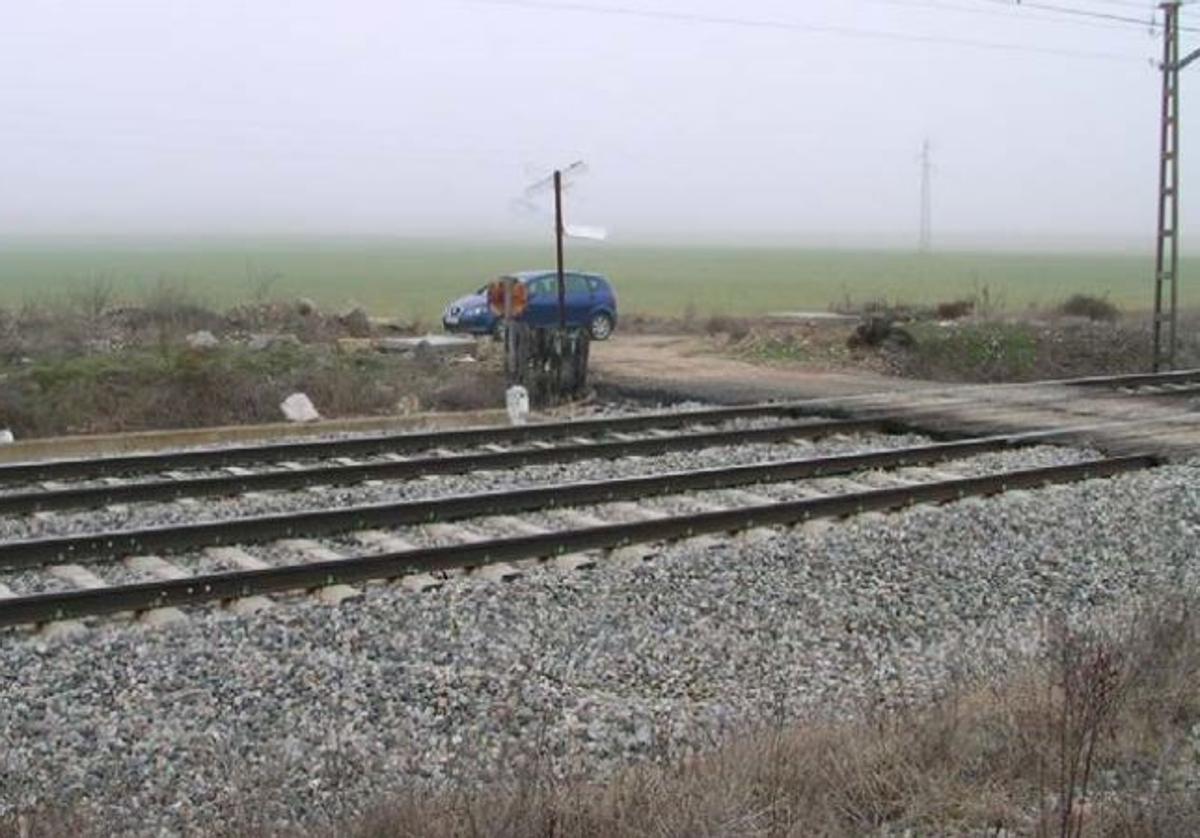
column 194, row 510
column 308, row 714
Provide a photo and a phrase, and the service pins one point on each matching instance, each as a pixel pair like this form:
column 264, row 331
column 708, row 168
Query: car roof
column 527, row 276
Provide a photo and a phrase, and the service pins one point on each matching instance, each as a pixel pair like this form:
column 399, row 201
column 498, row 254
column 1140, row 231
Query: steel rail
column 99, row 547
column 127, row 464
column 963, row 393
column 1181, row 389
column 40, row 608
column 341, row 475
column 1176, row 376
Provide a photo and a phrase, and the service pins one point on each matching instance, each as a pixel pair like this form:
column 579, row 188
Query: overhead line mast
column 1166, row 266
column 1166, row 252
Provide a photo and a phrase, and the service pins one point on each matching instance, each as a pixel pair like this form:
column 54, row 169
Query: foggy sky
column 418, row 117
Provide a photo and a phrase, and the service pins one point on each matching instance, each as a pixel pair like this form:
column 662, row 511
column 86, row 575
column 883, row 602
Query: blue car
column 591, row 303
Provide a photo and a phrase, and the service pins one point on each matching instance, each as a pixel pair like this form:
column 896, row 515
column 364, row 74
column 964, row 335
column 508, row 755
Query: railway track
column 140, row 552
column 126, row 465
column 331, row 569
column 346, row 473
column 92, row 547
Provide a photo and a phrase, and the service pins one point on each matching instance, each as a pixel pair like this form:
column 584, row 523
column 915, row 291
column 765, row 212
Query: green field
column 393, row 277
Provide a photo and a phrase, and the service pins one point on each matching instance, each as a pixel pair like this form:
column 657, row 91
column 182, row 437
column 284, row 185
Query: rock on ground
column 356, row 322
column 299, row 408
column 202, row 339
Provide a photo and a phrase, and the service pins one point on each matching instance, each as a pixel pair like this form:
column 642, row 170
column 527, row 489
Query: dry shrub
column 689, row 315
column 885, row 309
column 874, row 332
column 10, row 338
column 953, row 309
column 170, row 310
column 736, row 328
column 1093, row 308
column 466, row 391
column 93, row 298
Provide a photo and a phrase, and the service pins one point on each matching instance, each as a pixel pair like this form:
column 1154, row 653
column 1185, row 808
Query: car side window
column 538, row 287
column 577, row 285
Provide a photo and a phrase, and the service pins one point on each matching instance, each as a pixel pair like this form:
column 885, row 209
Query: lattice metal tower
column 1166, row 270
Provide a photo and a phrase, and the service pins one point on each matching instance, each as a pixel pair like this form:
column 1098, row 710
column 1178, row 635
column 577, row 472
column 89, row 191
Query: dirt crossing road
column 683, row 367
column 1162, row 421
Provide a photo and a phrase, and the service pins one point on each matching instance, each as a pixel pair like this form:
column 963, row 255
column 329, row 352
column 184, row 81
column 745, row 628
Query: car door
column 579, row 300
column 542, row 308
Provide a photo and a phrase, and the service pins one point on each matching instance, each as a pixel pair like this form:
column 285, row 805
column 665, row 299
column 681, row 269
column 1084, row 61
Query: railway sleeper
column 385, row 541
column 456, row 533
column 314, row 552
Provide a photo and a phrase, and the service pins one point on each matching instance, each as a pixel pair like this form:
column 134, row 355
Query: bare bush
column 93, row 298
column 875, row 331
column 736, row 328
column 464, row 391
column 260, row 282
column 689, row 315
column 1093, row 308
column 169, row 311
column 953, row 309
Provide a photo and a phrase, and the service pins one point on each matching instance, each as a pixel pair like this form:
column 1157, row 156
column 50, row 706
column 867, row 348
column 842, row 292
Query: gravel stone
column 307, row 713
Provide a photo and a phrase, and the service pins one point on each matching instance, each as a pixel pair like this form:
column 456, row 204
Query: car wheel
column 601, row 326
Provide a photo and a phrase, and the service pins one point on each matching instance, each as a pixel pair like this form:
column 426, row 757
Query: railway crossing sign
column 507, row 298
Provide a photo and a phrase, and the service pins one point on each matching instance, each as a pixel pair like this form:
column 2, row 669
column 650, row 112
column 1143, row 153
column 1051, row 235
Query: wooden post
column 558, row 249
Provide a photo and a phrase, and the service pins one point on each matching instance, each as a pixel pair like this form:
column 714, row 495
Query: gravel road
column 309, row 713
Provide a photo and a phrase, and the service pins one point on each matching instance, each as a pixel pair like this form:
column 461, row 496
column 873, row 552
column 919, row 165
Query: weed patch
column 988, row 351
column 179, row 387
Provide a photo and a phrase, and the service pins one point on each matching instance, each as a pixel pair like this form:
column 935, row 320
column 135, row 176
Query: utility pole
column 1166, row 264
column 557, row 181
column 926, row 239
column 558, row 249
